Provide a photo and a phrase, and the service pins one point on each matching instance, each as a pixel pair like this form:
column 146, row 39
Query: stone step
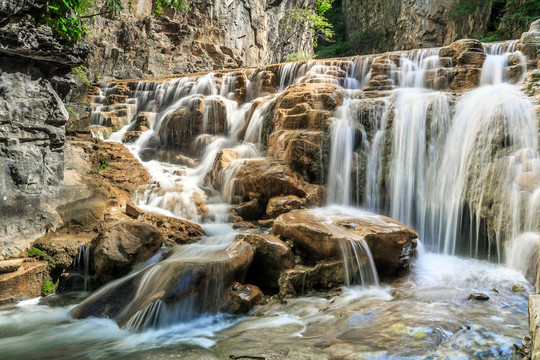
column 8, row 266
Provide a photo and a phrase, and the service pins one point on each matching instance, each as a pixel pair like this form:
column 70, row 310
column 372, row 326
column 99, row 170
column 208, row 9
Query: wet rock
column 244, row 298
column 478, row 296
column 518, row 288
column 282, row 204
column 319, row 234
column 266, row 223
column 272, row 257
column 302, row 279
column 132, row 211
column 115, row 252
column 193, row 285
column 243, row 225
column 24, row 283
column 175, row 231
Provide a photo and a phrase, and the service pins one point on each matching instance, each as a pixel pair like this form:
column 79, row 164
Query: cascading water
column 430, row 159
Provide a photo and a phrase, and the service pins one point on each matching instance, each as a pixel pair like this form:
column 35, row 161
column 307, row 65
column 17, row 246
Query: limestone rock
column 115, row 252
column 244, row 298
column 377, row 26
column 32, row 140
column 392, row 244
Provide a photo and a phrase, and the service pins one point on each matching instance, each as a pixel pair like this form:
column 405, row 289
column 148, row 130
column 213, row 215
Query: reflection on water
column 424, row 315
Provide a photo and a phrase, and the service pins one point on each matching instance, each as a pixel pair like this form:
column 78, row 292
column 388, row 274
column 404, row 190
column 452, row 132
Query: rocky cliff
column 378, row 26
column 211, row 35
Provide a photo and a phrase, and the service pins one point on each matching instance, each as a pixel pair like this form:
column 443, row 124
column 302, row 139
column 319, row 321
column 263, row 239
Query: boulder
column 175, row 231
column 301, row 279
column 244, row 298
column 282, row 204
column 272, row 257
column 24, row 283
column 117, row 251
column 320, row 234
column 177, row 288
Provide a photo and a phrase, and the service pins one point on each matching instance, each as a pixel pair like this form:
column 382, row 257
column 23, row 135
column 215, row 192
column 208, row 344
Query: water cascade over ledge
column 370, row 172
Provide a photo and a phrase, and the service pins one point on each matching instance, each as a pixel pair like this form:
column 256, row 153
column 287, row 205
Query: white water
column 434, row 157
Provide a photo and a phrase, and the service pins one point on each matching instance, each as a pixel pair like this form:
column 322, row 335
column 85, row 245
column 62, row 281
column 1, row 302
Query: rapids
column 424, row 157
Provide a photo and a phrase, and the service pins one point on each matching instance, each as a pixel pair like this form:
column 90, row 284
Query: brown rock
column 282, row 204
column 24, row 283
column 392, row 244
column 244, row 298
column 272, row 257
column 301, row 279
column 175, row 231
column 7, row 266
column 243, row 225
column 115, row 252
column 133, row 211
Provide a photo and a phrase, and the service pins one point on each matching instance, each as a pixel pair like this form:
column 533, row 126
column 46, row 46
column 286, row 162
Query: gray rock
column 32, row 119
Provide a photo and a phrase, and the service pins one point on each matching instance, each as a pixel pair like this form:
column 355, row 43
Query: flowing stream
column 426, row 158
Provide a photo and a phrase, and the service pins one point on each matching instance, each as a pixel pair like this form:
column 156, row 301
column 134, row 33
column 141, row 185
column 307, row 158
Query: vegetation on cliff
column 67, row 17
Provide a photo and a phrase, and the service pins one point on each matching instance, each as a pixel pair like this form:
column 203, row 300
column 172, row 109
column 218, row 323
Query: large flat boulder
column 320, row 234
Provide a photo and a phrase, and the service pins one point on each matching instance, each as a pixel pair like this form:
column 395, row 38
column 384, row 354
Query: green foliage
column 67, row 17
column 102, row 163
column 293, row 57
column 80, row 72
column 312, row 16
column 168, row 4
column 49, row 287
column 338, row 46
column 372, row 40
column 35, row 252
column 70, row 110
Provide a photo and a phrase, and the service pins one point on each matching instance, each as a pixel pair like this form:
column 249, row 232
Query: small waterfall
column 82, row 264
column 359, row 264
column 341, row 151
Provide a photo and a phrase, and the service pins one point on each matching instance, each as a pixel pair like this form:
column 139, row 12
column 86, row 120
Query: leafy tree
column 66, row 17
column 312, row 17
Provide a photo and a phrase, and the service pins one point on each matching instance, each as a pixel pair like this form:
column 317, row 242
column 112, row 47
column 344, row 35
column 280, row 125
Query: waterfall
column 82, row 264
column 341, row 151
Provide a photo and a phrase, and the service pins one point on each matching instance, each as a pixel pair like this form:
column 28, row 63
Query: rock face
column 320, row 235
column 117, row 251
column 379, row 26
column 176, row 286
column 32, row 119
column 211, row 35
